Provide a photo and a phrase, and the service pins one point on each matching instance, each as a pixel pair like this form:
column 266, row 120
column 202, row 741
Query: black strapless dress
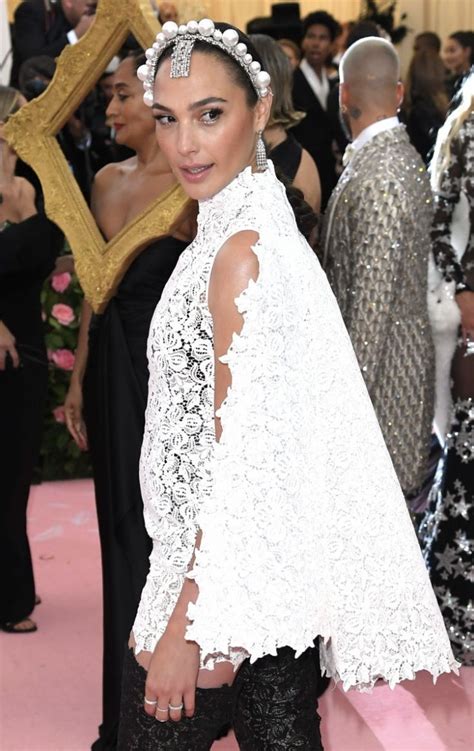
column 115, row 397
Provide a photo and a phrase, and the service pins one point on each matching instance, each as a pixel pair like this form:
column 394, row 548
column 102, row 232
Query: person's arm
column 30, row 35
column 307, row 180
column 174, row 666
column 73, row 405
column 27, row 246
column 378, row 245
column 444, row 253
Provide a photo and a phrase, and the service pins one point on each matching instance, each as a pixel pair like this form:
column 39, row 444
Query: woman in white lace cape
column 303, row 527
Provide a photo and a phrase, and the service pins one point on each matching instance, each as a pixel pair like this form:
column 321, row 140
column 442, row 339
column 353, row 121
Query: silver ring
column 151, row 702
column 175, row 709
column 159, row 709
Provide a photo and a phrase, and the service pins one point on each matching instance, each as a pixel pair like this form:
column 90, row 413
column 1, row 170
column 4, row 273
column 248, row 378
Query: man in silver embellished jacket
column 376, row 242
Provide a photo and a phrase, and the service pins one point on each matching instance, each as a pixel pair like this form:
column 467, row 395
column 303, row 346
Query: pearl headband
column 183, row 38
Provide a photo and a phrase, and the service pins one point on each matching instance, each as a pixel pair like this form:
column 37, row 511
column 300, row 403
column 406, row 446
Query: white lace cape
column 306, row 530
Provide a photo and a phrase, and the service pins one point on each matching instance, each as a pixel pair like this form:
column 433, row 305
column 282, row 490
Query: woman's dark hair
column 239, row 75
column 305, row 217
column 426, row 82
column 321, row 18
column 428, row 40
column 138, row 57
column 35, row 74
column 465, row 39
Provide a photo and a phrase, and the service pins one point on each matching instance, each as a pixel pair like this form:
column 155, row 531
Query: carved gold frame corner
column 32, row 133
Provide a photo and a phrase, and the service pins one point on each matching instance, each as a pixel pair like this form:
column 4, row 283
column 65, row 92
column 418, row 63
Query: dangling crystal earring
column 261, row 153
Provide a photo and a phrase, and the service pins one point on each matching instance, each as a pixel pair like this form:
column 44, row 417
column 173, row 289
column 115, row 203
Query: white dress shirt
column 366, row 135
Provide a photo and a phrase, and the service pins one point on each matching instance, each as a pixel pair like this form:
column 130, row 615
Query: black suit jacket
column 37, row 31
column 315, row 133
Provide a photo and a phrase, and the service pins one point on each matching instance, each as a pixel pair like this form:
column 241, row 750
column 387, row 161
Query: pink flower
column 59, row 414
column 63, row 314
column 60, row 282
column 63, row 358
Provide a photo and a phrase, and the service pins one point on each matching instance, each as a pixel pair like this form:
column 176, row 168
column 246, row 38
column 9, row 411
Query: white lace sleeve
column 306, row 531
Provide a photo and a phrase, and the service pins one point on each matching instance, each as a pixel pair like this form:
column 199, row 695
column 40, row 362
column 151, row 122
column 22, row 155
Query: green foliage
column 60, row 458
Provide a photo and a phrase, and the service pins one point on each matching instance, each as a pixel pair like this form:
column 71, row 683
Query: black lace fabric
column 271, row 705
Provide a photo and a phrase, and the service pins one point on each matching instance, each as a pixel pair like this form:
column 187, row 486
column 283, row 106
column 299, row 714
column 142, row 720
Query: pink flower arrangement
column 60, row 282
column 59, row 414
column 63, row 358
column 64, row 314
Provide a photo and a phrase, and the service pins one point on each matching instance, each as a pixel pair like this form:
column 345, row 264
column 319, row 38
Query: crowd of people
column 232, row 431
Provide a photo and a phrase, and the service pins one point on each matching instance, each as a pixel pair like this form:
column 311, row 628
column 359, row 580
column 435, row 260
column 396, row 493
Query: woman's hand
column 74, row 418
column 64, row 264
column 172, row 676
column 7, row 345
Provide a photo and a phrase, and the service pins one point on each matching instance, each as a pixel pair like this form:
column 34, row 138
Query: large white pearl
column 230, row 37
column 170, row 29
column 192, row 27
column 148, row 98
column 241, row 49
column 142, row 72
column 262, row 79
column 255, row 67
column 160, row 38
column 206, row 27
column 150, row 53
column 182, row 29
column 248, row 58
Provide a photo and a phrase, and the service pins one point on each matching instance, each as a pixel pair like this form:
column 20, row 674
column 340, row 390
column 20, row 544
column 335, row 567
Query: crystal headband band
column 183, row 38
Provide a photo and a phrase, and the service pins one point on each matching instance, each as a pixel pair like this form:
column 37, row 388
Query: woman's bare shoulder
column 111, row 172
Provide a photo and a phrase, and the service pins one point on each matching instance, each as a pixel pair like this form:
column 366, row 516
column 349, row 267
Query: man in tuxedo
column 311, row 87
column 376, row 243
column 45, row 27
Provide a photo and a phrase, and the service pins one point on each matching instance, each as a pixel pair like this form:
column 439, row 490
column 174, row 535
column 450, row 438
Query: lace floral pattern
column 305, row 529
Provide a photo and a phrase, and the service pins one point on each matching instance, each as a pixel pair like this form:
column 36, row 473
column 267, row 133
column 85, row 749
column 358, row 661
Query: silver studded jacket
column 376, row 240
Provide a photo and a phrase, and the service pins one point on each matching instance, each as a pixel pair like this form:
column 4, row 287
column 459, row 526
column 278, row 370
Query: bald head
column 369, row 66
column 370, row 88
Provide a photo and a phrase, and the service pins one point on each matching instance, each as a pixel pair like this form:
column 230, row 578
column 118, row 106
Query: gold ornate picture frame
column 32, row 133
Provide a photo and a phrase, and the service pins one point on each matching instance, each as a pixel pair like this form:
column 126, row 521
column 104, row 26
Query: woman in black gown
column 286, row 153
column 111, row 372
column 29, row 245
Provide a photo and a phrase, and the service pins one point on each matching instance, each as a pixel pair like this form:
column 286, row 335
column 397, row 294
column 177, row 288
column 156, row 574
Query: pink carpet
column 50, row 690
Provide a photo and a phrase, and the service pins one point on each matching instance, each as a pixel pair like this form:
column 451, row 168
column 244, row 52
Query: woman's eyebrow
column 193, row 106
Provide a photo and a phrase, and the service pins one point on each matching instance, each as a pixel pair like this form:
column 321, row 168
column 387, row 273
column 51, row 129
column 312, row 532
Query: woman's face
column 127, row 113
column 456, row 57
column 204, row 125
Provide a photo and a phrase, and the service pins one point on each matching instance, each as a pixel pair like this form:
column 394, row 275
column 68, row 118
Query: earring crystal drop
column 261, row 154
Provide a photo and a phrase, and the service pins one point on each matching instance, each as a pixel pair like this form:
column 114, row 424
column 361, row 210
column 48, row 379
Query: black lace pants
column 271, row 706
